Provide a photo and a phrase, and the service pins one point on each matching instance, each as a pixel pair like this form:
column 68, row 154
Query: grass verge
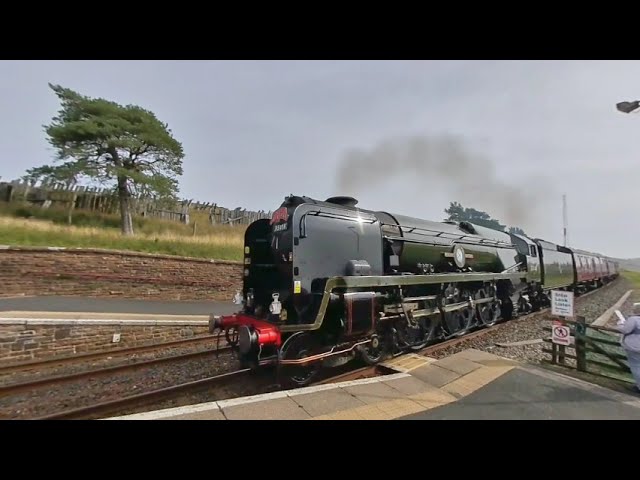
column 223, row 243
column 633, row 277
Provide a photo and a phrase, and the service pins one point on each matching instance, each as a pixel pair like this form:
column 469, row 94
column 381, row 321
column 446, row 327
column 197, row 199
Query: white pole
column 564, row 218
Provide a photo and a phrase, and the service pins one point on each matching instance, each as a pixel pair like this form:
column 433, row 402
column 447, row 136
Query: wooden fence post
column 581, row 351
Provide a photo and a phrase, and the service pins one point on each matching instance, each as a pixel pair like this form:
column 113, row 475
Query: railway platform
column 66, row 306
column 471, row 384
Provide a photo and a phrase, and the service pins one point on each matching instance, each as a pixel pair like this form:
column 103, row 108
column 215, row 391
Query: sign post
column 561, row 306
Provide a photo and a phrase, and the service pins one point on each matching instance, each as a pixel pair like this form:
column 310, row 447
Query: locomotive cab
column 266, row 268
column 528, row 256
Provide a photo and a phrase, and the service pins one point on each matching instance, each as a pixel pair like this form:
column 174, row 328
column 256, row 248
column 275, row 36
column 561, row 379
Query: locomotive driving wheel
column 428, row 327
column 296, row 347
column 487, row 312
column 373, row 352
column 457, row 322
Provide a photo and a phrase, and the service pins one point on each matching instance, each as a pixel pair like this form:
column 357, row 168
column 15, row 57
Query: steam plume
column 443, row 163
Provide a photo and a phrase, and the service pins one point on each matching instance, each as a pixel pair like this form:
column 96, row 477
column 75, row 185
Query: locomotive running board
column 392, row 281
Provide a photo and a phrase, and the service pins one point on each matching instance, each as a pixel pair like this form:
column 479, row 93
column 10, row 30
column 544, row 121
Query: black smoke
column 445, row 163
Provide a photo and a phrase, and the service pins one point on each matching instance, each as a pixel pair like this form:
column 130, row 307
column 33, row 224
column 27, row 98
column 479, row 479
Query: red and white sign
column 560, row 333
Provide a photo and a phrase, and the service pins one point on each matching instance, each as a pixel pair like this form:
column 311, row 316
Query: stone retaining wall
column 112, row 273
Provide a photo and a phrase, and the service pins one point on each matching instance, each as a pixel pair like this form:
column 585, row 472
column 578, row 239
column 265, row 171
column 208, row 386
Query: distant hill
column 632, row 264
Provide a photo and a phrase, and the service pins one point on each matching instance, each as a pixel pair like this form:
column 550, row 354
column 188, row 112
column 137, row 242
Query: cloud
column 255, row 131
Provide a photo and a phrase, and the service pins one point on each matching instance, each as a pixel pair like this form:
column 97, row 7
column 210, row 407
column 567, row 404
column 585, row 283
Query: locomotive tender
column 325, row 282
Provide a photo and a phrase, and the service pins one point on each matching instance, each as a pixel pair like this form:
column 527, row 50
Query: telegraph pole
column 564, row 218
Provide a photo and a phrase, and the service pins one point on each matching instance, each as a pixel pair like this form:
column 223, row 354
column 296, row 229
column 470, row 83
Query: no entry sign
column 560, row 333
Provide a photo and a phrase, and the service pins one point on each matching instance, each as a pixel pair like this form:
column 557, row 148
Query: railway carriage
column 557, row 265
column 592, row 270
column 612, row 269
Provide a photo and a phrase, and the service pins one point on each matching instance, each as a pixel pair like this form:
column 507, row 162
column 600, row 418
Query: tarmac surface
column 115, row 305
column 533, row 394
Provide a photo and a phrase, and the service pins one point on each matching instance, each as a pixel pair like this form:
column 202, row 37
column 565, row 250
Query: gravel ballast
column 84, row 392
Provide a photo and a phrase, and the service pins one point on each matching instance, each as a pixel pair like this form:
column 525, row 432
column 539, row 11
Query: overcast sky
column 525, row 132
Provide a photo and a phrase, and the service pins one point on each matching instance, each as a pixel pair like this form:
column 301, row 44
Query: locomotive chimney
column 344, row 201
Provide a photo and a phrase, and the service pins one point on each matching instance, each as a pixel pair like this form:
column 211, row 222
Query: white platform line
column 168, row 412
column 102, row 321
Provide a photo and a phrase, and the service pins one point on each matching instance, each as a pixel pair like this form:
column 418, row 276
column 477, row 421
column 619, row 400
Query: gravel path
column 531, row 327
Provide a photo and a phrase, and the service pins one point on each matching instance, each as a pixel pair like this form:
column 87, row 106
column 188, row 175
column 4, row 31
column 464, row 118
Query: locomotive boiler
column 325, row 282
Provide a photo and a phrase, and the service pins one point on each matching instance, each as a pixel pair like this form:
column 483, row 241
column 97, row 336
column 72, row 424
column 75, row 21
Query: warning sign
column 561, row 303
column 560, row 334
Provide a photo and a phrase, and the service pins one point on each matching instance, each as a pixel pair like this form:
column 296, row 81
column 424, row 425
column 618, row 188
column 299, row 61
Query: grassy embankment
column 21, row 225
column 633, row 277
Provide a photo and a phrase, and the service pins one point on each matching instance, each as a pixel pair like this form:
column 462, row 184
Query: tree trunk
column 125, row 206
column 72, row 204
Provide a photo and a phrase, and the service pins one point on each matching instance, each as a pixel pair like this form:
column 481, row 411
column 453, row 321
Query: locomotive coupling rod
column 320, row 356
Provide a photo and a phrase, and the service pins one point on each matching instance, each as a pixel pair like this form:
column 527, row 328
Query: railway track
column 128, row 403
column 141, row 399
column 40, row 387
column 261, row 383
column 95, row 356
column 14, row 388
column 216, row 381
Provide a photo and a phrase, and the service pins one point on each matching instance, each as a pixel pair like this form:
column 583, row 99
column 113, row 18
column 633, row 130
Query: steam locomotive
column 325, row 282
